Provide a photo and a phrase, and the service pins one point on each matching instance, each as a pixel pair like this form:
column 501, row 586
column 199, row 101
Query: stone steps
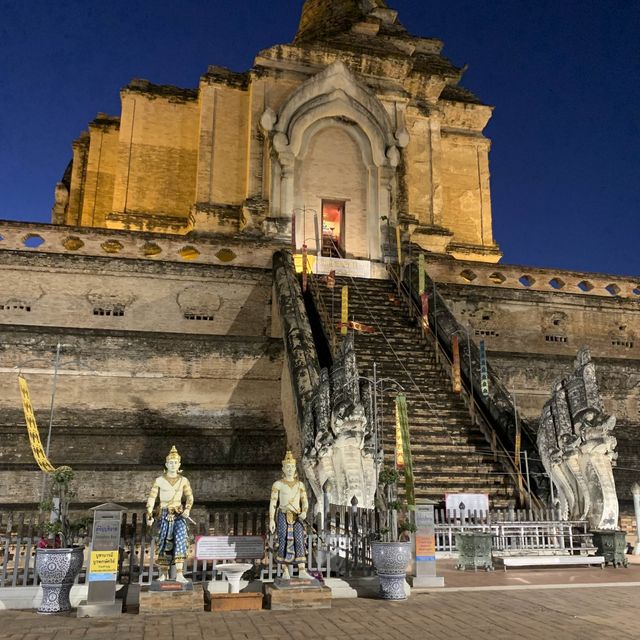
column 449, row 453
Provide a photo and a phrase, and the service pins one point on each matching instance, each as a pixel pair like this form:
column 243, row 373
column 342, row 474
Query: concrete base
column 340, row 588
column 286, row 599
column 369, row 587
column 171, row 601
column 170, row 585
column 31, row 597
column 100, row 609
column 427, row 582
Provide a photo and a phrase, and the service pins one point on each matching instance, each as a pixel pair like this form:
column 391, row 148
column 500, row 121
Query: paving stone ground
column 540, row 604
column 598, row 612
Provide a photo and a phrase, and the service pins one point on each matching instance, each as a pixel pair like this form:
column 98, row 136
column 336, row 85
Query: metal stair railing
column 326, row 320
column 478, row 413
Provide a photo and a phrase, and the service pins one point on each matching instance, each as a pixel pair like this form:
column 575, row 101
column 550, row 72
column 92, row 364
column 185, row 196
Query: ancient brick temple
column 157, row 277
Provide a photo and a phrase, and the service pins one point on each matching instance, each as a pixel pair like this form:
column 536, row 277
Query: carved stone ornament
column 268, row 120
column 339, row 448
column 577, row 448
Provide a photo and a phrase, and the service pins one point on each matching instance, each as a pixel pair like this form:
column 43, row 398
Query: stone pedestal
column 171, row 600
column 234, row 602
column 612, row 545
column 99, row 610
column 427, row 582
column 297, row 594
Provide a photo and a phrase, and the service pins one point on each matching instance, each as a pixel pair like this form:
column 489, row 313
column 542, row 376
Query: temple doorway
column 333, row 225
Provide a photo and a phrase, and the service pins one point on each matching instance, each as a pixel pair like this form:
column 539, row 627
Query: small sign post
column 103, row 564
column 426, row 546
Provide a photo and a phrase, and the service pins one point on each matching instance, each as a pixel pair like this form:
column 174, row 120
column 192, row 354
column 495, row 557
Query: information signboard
column 426, row 547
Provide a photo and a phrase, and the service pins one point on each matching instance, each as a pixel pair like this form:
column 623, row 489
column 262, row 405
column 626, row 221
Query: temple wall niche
column 102, row 165
column 157, row 159
column 333, row 169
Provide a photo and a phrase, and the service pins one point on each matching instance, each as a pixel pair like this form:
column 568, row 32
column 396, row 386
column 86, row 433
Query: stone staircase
column 450, row 454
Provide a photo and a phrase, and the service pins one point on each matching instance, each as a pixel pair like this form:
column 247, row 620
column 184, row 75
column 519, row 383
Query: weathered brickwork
column 157, row 154
column 106, row 293
column 123, row 398
column 157, row 278
column 101, row 172
column 532, row 338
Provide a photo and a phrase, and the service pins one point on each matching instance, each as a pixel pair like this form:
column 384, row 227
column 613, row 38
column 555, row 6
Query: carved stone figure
column 176, row 501
column 287, row 512
column 339, row 438
column 577, row 448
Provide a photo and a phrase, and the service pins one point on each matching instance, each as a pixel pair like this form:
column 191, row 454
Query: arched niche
column 334, row 101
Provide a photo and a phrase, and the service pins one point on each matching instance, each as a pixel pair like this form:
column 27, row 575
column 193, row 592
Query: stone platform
column 233, row 602
column 172, row 601
column 297, row 594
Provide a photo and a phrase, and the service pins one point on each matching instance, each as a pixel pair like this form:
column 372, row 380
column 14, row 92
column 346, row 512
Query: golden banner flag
column 455, row 371
column 399, row 243
column 424, row 299
column 399, row 441
column 421, row 286
column 403, row 448
column 32, row 429
column 345, row 310
column 305, row 268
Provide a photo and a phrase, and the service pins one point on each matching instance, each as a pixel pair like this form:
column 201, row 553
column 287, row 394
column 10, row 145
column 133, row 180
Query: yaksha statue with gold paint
column 176, row 500
column 287, row 511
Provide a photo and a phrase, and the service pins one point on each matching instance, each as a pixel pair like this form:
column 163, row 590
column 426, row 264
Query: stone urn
column 58, row 569
column 391, row 560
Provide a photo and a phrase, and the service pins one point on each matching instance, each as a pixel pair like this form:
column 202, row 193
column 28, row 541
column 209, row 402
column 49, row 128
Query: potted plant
column 58, row 562
column 392, row 551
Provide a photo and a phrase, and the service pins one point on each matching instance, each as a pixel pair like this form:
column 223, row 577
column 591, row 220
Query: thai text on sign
column 103, row 565
column 425, row 548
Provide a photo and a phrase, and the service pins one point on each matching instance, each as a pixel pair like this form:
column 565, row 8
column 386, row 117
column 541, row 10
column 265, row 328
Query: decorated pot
column 391, row 560
column 58, row 569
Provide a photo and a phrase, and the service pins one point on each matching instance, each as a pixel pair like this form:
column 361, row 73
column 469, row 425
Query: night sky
column 564, row 76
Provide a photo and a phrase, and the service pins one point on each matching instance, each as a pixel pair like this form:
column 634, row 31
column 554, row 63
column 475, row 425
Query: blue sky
column 563, row 76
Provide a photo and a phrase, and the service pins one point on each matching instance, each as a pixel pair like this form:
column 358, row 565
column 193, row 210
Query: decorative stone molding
column 506, row 276
column 199, row 302
column 207, row 248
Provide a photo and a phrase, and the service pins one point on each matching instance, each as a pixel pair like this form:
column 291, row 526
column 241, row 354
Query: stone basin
column 233, row 572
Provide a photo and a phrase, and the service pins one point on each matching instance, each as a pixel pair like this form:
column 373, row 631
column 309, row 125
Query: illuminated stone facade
column 354, row 110
column 157, row 276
